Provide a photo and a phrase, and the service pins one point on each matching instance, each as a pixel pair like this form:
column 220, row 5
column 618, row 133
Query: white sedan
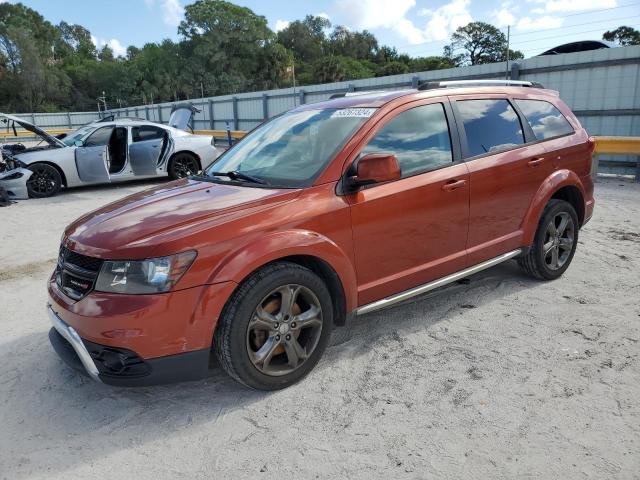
column 115, row 150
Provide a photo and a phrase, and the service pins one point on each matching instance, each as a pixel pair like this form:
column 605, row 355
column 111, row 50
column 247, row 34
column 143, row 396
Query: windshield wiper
column 236, row 175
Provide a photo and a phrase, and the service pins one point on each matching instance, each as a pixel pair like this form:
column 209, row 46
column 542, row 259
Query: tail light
column 592, row 144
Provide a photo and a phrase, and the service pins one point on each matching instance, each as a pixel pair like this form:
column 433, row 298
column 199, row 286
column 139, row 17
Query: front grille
column 88, row 263
column 76, row 274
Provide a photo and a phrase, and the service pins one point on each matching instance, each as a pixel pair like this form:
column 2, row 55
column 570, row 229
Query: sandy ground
column 502, row 378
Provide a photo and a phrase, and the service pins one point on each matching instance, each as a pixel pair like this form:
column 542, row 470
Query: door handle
column 453, row 185
column 534, row 162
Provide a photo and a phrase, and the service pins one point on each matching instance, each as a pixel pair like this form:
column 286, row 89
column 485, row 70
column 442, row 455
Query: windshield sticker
column 354, row 112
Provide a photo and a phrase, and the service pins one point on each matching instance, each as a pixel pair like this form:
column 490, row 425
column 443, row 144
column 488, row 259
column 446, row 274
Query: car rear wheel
column 555, row 242
column 182, row 165
column 45, row 181
column 275, row 327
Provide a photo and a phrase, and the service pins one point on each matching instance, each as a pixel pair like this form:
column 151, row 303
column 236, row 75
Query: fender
column 553, row 183
column 240, row 263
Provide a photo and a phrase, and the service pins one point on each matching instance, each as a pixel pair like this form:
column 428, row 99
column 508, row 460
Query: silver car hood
column 10, row 120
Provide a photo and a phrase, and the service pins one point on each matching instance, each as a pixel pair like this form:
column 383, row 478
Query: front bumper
column 132, row 340
column 15, row 183
column 122, row 367
column 71, row 336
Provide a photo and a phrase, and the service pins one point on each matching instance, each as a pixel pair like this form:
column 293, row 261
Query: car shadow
column 53, row 408
column 150, row 182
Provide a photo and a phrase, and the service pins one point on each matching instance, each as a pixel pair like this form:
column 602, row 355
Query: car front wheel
column 45, row 181
column 275, row 327
column 555, row 242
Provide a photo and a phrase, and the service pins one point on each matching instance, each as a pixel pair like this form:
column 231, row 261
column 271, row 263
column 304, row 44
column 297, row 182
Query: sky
column 416, row 27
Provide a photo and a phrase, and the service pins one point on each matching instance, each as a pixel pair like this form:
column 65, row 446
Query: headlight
column 143, row 276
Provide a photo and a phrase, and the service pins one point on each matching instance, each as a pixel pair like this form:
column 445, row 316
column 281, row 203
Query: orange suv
column 328, row 211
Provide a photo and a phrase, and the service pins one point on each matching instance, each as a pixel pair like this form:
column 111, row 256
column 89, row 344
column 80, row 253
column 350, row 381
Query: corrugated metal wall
column 601, row 86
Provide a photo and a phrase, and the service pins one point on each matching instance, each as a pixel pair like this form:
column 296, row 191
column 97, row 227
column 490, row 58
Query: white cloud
column 280, row 25
column 540, row 23
column 503, row 17
column 172, row 10
column 446, row 19
column 323, row 15
column 363, row 14
column 114, row 44
column 369, row 14
column 555, row 6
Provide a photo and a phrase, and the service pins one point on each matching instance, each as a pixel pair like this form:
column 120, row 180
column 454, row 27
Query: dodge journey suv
column 328, row 211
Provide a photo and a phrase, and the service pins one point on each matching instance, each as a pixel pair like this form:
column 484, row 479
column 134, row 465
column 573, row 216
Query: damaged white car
column 114, row 150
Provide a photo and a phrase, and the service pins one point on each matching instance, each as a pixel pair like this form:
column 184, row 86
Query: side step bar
column 419, row 290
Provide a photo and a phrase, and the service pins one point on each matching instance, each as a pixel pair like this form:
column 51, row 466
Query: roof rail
column 353, row 94
column 486, row 83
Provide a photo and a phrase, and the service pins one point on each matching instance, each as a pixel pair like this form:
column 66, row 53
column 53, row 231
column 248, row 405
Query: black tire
column 232, row 336
column 45, row 181
column 183, row 164
column 539, row 260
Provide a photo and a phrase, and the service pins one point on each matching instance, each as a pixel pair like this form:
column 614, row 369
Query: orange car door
column 506, row 169
column 413, row 230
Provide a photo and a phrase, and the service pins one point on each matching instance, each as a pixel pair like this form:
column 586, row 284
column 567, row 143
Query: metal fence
column 602, row 87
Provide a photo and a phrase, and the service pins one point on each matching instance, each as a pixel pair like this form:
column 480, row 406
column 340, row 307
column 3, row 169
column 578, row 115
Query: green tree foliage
column 223, row 48
column 623, row 36
column 306, row 39
column 477, row 43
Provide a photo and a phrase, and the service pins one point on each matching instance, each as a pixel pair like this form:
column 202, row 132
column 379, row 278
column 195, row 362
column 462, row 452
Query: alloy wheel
column 558, row 241
column 184, row 165
column 42, row 181
column 284, row 330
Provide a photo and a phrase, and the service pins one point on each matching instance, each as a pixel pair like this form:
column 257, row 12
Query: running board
column 402, row 296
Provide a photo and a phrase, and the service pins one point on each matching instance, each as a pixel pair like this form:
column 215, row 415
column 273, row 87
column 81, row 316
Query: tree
column 425, row 64
column 359, row 45
column 392, row 68
column 306, row 38
column 224, row 43
column 338, row 68
column 477, row 43
column 623, row 36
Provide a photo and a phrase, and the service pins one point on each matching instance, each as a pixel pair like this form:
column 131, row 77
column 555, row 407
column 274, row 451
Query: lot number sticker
column 354, row 112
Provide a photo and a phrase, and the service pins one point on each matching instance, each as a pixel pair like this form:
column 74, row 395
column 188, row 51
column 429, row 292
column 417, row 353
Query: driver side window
column 419, row 138
column 99, row 138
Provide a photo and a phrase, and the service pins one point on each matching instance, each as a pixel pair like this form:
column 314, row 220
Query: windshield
column 292, row 150
column 77, row 135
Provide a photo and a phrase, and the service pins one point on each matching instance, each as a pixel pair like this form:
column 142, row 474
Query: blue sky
column 417, row 27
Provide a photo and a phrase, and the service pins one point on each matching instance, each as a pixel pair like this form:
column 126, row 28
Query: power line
column 538, row 39
column 594, row 11
column 576, row 25
column 565, row 35
column 600, row 10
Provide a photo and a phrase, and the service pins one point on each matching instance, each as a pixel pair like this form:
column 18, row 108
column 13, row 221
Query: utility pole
column 506, row 73
column 295, row 96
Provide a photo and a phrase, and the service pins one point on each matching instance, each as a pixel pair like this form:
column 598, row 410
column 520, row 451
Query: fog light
column 112, row 361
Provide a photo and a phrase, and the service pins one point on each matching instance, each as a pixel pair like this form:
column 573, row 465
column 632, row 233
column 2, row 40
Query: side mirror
column 78, row 143
column 376, row 168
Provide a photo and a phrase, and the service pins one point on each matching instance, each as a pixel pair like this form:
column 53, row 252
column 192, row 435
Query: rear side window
column 418, row 137
column 546, row 120
column 146, row 132
column 490, row 126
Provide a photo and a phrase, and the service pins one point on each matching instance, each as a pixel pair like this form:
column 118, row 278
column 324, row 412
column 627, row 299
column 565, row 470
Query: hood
column 145, row 224
column 10, row 122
